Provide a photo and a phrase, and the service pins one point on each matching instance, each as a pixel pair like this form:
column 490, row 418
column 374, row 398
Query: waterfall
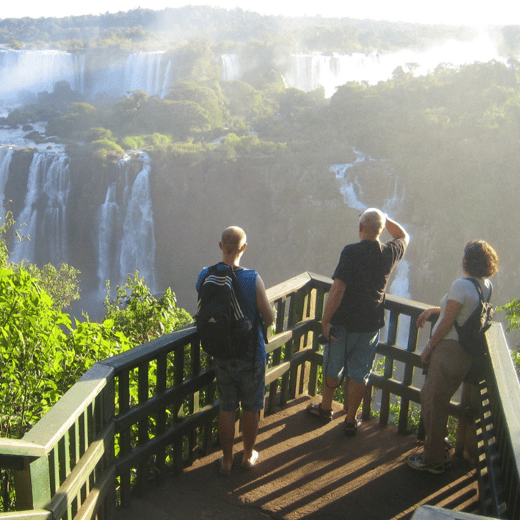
column 168, row 80
column 126, row 239
column 230, row 69
column 107, row 227
column 143, row 72
column 45, row 211
column 6, row 153
column 38, row 71
column 138, row 242
column 308, row 71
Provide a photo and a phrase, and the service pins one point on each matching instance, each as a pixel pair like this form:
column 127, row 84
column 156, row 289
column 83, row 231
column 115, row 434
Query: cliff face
column 16, row 184
column 195, row 201
column 292, row 207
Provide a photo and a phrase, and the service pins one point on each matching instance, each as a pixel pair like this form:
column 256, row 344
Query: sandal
column 351, row 428
column 316, row 410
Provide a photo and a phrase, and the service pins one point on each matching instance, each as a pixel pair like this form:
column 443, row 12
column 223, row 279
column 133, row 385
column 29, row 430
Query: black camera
column 322, row 340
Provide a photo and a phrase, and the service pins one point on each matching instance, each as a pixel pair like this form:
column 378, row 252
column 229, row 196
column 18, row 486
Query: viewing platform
column 310, row 470
column 136, row 436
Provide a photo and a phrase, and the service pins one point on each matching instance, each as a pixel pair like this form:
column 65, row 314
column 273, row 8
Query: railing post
column 32, row 484
column 319, row 304
column 109, row 407
column 300, row 311
column 408, row 377
column 273, row 387
column 388, row 368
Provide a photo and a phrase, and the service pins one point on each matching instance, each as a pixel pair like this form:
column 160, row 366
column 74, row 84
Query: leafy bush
column 60, row 284
column 139, row 315
column 32, row 342
column 104, row 147
column 136, row 142
column 512, row 310
column 133, row 142
column 96, row 134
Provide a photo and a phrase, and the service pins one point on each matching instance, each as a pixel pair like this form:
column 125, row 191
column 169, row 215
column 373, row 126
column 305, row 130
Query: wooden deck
column 312, row 471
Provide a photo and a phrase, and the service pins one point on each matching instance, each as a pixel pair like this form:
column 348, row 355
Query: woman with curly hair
column 448, row 363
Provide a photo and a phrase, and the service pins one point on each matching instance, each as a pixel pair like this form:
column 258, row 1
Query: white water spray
column 45, row 211
column 126, row 237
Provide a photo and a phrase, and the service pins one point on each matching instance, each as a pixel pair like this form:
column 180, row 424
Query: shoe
column 316, row 410
column 252, row 461
column 220, row 470
column 416, row 462
column 351, row 428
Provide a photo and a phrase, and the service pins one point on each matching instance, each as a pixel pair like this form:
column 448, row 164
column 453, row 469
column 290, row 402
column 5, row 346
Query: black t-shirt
column 365, row 267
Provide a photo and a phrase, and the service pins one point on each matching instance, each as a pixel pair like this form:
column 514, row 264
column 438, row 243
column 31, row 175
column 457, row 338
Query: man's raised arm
column 396, row 230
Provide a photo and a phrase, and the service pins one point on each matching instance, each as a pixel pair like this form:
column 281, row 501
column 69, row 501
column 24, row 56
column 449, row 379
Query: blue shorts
column 356, row 350
column 239, row 382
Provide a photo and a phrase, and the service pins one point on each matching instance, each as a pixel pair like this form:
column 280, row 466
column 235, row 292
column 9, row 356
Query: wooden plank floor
column 312, row 471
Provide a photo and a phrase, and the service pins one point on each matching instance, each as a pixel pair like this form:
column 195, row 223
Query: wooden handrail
column 98, row 435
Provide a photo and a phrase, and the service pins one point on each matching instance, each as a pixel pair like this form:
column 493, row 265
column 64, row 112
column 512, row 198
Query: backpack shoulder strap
column 479, row 289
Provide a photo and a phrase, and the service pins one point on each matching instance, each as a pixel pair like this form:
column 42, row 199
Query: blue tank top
column 247, row 282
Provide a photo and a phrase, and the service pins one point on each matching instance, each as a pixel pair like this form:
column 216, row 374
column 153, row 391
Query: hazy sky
column 459, row 12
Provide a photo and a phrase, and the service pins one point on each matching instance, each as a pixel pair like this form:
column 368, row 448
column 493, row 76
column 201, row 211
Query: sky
column 456, row 12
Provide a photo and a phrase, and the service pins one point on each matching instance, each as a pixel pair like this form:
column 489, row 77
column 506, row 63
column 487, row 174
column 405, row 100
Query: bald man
column 241, row 381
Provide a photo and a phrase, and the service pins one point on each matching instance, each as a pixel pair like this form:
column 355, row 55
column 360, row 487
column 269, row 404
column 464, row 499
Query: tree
column 209, row 99
column 80, row 118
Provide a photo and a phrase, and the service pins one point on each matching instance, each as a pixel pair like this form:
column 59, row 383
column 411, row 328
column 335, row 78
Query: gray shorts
column 240, row 383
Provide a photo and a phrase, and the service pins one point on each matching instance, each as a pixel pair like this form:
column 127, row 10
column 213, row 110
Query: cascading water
column 38, row 71
column 230, row 68
column 138, row 243
column 168, row 80
column 312, row 70
column 107, row 221
column 45, row 211
column 143, row 71
column 126, row 239
column 6, row 154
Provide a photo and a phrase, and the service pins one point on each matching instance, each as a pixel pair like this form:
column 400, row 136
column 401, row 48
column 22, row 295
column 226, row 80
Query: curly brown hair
column 480, row 259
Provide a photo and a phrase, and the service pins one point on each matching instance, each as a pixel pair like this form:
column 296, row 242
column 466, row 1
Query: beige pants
column 449, row 364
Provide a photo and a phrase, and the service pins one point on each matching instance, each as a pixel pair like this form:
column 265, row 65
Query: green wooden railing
column 102, row 443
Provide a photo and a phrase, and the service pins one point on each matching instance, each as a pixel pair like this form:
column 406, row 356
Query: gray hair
column 373, row 221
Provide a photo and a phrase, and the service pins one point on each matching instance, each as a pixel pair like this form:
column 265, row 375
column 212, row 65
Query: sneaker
column 416, row 462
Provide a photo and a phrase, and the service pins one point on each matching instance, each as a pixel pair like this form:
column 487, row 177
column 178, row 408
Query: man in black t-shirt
column 355, row 310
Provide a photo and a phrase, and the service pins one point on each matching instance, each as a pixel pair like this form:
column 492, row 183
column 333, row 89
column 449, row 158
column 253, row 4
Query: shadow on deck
column 310, row 470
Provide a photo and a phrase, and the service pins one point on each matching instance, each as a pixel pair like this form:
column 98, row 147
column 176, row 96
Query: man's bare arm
column 266, row 311
column 396, row 230
column 333, row 300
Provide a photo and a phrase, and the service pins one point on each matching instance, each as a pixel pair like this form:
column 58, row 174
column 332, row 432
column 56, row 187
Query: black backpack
column 471, row 334
column 223, row 329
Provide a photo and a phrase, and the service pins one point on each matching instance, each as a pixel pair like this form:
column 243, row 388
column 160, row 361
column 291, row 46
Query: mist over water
column 310, row 71
column 38, row 71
